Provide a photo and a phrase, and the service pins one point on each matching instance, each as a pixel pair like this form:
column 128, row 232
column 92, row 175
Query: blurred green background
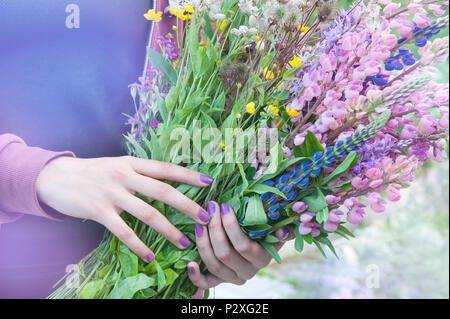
column 402, row 253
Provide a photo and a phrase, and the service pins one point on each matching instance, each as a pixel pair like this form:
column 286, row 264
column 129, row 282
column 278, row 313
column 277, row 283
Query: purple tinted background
column 63, row 89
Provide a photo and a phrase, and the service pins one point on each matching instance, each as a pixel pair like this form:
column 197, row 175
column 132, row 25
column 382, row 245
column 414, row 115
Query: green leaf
column 310, row 146
column 255, row 214
column 130, row 285
column 315, row 200
column 322, row 216
column 156, row 152
column 208, row 28
column 271, row 239
column 158, row 61
column 298, row 240
column 89, row 291
column 140, row 152
column 341, row 169
column 308, row 238
column 171, row 276
column 326, row 241
column 261, row 189
column 128, row 261
column 345, row 231
column 271, row 249
column 320, row 248
column 160, row 277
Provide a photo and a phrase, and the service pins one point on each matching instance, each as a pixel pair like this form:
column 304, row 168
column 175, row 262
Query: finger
column 202, row 281
column 152, row 217
column 223, row 250
column 118, row 227
column 169, row 195
column 200, row 294
column 169, row 171
column 215, row 266
column 247, row 248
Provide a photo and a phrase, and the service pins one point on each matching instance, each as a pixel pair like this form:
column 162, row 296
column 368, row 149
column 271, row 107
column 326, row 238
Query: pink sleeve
column 20, row 166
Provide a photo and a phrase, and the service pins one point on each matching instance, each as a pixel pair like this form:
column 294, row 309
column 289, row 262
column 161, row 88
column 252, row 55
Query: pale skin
column 100, row 189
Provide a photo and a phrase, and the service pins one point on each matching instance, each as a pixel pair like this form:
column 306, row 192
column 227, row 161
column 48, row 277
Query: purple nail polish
column 191, row 269
column 206, row 179
column 150, row 257
column 204, row 216
column 211, row 208
column 199, row 230
column 225, row 208
column 185, row 242
column 286, row 233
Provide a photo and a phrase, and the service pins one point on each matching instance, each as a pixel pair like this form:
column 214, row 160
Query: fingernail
column 211, row 208
column 204, row 216
column 199, row 230
column 185, row 242
column 206, row 179
column 150, row 257
column 286, row 233
column 225, row 208
column 191, row 269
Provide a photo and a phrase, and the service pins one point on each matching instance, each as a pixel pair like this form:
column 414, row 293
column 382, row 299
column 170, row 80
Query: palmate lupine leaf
column 292, row 182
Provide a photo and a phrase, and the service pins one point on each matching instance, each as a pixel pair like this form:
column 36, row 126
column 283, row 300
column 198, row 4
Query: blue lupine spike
column 284, row 204
column 274, row 216
column 304, row 183
column 290, row 182
column 306, row 165
column 266, row 195
column 269, row 183
column 274, row 207
column 316, row 173
column 272, row 200
column 288, row 188
column 284, row 178
column 291, row 195
column 258, row 234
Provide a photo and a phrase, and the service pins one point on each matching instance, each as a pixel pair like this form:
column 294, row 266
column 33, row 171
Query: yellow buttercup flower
column 251, row 108
column 223, row 145
column 186, row 14
column 152, row 15
column 273, row 109
column 269, row 74
column 303, row 28
column 292, row 112
column 295, row 62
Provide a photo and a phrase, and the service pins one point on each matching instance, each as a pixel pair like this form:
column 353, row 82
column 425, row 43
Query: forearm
column 20, row 166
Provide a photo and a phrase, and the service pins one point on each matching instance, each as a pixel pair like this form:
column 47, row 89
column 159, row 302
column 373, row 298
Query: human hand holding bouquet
column 349, row 109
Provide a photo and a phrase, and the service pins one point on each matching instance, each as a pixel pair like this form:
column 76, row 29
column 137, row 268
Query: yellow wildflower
column 295, row 62
column 273, row 109
column 292, row 112
column 152, row 15
column 251, row 107
column 279, row 122
column 186, row 14
column 269, row 74
column 303, row 28
column 223, row 25
column 223, row 146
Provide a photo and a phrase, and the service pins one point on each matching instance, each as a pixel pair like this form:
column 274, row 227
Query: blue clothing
column 64, row 89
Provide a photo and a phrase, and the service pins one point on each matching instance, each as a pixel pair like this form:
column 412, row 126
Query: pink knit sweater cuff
column 20, row 166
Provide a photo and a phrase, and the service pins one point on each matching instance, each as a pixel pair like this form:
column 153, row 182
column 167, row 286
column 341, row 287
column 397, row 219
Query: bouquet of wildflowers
column 304, row 114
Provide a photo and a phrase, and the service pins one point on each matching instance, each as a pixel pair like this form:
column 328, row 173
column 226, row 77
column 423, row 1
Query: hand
column 228, row 253
column 100, row 189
